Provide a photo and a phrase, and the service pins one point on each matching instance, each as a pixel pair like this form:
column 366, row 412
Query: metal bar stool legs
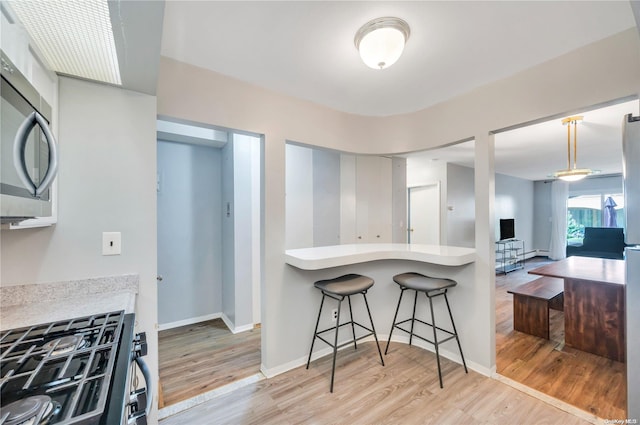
column 432, row 287
column 339, row 289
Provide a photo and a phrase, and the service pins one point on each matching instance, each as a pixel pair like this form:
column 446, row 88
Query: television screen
column 507, row 228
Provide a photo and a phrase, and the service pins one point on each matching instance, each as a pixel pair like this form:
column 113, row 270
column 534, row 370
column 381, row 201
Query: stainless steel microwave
column 28, row 152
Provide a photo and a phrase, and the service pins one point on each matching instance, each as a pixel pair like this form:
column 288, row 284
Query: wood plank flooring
column 405, row 391
column 198, row 358
column 589, row 382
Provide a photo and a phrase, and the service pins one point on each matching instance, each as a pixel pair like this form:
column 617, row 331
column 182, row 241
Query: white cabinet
column 373, row 200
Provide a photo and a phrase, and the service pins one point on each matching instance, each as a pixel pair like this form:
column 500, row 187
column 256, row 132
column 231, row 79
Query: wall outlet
column 111, row 243
column 334, row 314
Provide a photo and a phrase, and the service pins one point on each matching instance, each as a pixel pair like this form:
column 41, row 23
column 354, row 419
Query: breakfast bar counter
column 323, row 257
column 381, row 262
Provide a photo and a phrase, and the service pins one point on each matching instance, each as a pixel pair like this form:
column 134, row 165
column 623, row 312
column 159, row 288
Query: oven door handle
column 147, row 380
column 19, row 146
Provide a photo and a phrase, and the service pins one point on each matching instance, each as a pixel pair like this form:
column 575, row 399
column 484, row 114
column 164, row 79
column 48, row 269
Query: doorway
column 424, row 214
column 209, row 256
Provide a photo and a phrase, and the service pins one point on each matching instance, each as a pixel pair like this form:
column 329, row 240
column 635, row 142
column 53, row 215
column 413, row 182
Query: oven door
column 128, row 404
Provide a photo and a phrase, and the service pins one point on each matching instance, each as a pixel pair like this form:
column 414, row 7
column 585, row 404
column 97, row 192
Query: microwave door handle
column 52, row 168
column 19, row 145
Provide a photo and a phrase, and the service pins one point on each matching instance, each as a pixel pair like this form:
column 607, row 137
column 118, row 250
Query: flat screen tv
column 507, row 228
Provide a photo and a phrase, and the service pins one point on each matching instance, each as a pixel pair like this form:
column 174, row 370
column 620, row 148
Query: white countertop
column 27, row 305
column 323, row 257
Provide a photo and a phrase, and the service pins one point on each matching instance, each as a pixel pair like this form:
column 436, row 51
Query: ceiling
column 306, row 50
column 535, row 152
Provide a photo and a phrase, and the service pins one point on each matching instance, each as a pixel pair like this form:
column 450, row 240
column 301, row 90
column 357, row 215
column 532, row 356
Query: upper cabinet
column 334, row 198
column 373, row 199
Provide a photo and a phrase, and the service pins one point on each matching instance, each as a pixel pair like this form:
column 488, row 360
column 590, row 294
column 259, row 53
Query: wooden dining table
column 594, row 303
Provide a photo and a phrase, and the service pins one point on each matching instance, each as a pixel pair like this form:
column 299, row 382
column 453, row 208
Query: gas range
column 76, row 371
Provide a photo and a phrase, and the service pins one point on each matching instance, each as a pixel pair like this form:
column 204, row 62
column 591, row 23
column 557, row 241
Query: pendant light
column 572, row 173
column 381, row 41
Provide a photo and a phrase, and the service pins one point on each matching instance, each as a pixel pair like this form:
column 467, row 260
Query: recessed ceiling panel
column 75, row 37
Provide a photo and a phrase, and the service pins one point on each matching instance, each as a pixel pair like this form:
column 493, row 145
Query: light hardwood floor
column 589, row 382
column 198, row 358
column 405, row 391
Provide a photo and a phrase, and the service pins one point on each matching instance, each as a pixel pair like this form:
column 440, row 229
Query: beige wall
column 601, row 72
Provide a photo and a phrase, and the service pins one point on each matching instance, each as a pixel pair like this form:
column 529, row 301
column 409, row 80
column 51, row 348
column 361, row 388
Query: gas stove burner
column 64, row 345
column 35, row 410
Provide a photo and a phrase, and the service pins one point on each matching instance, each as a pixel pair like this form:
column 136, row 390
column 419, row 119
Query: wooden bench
column 531, row 304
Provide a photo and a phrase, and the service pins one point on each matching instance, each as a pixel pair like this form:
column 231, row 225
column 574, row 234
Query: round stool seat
column 419, row 282
column 345, row 285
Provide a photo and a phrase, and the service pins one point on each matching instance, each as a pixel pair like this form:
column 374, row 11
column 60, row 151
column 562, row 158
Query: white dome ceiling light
column 381, row 41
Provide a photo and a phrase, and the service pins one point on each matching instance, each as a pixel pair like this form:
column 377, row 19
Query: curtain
column 558, row 244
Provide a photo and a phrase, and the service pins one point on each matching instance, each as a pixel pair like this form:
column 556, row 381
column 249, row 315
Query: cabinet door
column 373, row 199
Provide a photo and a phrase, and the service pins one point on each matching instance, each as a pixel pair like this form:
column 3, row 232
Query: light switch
column 111, row 243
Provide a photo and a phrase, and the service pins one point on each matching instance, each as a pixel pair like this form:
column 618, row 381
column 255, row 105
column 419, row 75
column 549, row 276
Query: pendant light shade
column 572, row 173
column 381, row 41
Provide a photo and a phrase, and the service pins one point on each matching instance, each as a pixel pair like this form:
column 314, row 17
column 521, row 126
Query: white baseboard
column 233, row 328
column 190, row 321
column 455, row 357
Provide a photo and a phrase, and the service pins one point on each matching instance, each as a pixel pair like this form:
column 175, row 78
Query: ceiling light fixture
column 572, row 174
column 381, row 41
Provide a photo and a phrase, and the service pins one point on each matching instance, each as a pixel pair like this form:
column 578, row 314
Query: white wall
column 420, row 172
column 107, row 182
column 515, row 199
column 189, row 231
column 244, row 232
column 228, row 237
column 610, row 68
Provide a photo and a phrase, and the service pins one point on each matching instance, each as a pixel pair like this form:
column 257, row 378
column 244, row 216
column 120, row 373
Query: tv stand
column 509, row 255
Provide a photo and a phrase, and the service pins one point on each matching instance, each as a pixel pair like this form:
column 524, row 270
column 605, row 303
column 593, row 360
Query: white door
column 424, row 214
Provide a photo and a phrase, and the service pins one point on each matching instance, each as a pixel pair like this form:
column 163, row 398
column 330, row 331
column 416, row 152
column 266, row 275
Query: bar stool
column 338, row 289
column 431, row 287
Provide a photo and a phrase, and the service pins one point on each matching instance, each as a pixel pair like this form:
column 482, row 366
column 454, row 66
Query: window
column 601, row 210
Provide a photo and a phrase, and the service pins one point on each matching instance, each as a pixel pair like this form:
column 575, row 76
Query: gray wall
column 189, row 231
column 326, row 197
column 461, row 197
column 299, row 199
column 399, row 200
column 107, row 182
column 588, row 186
column 515, row 199
column 541, row 215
